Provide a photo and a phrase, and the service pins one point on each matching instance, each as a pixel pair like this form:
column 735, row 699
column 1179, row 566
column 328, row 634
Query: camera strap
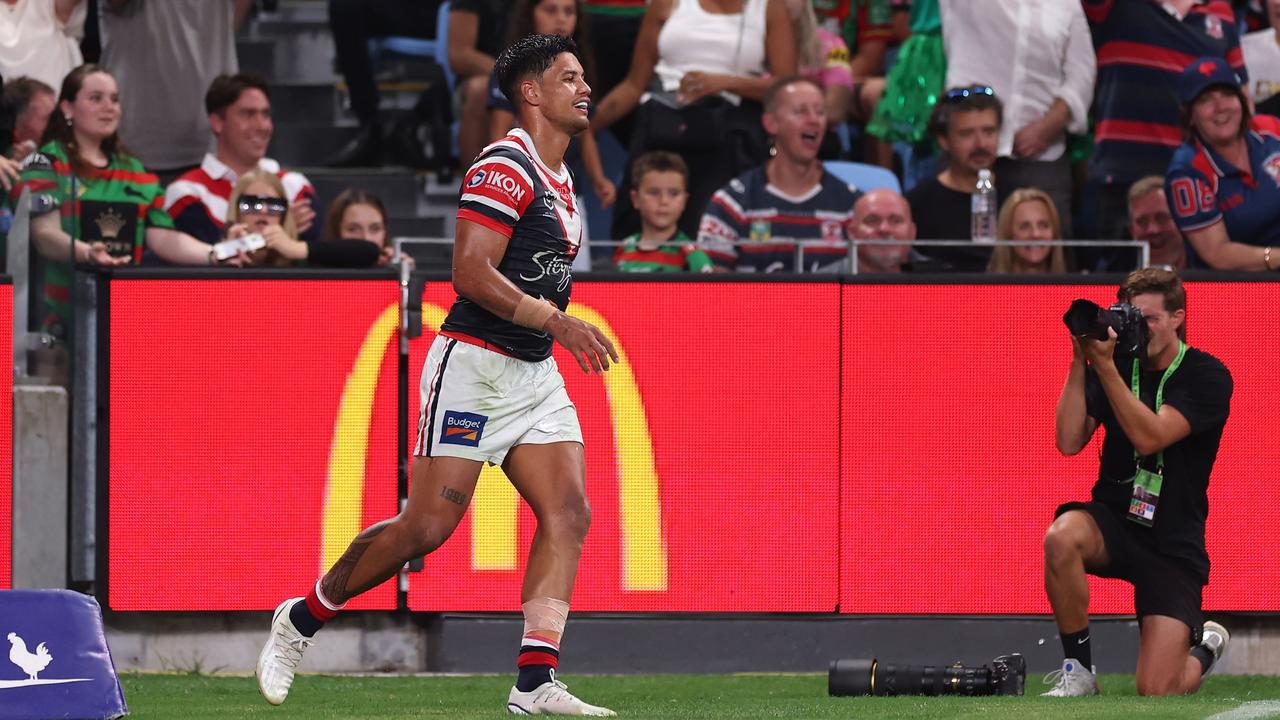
column 1147, row 484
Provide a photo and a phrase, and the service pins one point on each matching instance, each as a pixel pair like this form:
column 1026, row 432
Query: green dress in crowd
column 915, row 82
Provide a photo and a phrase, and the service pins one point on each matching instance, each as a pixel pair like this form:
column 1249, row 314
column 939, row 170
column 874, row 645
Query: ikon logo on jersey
column 476, row 179
column 461, row 428
column 501, row 181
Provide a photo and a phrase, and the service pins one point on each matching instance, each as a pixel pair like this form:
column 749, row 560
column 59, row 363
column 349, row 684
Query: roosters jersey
column 1204, row 189
column 511, row 191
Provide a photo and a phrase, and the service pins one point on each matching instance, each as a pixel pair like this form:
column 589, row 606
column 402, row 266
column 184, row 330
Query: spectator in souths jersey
column 1141, row 47
column 1028, row 215
column 755, row 222
column 92, row 202
column 239, row 108
column 659, row 180
column 1223, row 183
column 31, row 103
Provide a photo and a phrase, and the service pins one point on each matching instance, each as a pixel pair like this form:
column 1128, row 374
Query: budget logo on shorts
column 460, row 428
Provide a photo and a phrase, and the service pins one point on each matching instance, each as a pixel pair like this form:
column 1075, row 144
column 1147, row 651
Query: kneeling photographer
column 1164, row 405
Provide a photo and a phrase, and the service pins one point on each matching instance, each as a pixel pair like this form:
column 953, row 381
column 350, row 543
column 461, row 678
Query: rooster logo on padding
column 31, row 663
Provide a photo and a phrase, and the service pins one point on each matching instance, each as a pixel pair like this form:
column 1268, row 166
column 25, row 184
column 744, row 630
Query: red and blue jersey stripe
column 1142, row 48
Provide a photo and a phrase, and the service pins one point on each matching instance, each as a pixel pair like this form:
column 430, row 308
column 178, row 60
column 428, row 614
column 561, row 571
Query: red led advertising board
column 252, row 435
column 764, row 447
column 6, row 437
column 711, row 457
column 950, row 473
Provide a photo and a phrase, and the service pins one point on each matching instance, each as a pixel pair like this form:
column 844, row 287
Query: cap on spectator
column 1202, row 74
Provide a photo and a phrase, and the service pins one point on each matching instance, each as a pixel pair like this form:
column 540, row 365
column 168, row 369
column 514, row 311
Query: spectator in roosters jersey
column 491, row 391
column 1223, row 184
column 239, row 108
column 1142, row 46
column 659, row 180
column 754, row 223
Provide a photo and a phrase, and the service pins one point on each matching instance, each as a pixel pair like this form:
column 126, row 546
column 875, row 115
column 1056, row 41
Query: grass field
column 667, row 696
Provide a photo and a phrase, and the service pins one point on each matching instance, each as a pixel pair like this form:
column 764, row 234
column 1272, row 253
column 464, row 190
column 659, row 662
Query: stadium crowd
column 753, row 129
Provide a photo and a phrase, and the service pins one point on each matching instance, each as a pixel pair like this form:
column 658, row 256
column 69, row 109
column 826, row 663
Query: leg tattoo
column 334, row 582
column 457, row 497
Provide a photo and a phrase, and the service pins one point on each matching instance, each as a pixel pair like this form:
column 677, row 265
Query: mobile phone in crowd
column 228, row 249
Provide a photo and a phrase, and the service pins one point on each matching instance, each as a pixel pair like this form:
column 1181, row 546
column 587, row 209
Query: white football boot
column 281, row 655
column 552, row 698
column 1073, row 680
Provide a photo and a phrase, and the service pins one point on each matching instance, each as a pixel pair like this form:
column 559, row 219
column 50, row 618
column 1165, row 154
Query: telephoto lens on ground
column 861, row 676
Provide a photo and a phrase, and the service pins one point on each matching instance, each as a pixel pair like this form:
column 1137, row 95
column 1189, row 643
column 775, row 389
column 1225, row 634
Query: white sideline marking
column 1254, row 710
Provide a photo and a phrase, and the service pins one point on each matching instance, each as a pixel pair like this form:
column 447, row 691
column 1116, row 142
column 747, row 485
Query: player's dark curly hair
column 531, row 55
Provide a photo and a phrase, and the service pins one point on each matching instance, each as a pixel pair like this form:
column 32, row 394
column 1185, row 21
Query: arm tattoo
column 457, row 497
column 334, row 582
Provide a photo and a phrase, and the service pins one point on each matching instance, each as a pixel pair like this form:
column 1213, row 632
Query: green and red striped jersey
column 114, row 205
column 678, row 254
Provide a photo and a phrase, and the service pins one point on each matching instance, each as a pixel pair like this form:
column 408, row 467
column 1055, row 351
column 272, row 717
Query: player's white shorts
column 478, row 404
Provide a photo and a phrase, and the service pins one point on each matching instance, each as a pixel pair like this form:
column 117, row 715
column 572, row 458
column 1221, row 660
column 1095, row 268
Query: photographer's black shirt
column 1200, row 389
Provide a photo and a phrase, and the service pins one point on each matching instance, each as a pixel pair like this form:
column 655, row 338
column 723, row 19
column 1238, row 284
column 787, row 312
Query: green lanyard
column 1137, row 392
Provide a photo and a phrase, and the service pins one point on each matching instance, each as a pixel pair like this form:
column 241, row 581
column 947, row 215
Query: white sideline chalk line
column 1253, row 710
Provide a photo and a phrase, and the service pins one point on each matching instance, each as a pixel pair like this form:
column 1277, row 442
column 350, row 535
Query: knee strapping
column 545, row 614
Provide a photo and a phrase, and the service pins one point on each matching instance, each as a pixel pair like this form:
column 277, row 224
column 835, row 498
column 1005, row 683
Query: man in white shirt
column 1038, row 56
column 1262, row 57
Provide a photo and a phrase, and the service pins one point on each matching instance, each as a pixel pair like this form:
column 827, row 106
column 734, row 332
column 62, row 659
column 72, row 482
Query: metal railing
column 849, row 264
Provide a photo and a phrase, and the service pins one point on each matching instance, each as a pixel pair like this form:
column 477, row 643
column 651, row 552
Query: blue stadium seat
column 437, row 49
column 862, row 176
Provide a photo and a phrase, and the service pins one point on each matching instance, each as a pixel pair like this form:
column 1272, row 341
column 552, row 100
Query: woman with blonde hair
column 258, row 205
column 1028, row 215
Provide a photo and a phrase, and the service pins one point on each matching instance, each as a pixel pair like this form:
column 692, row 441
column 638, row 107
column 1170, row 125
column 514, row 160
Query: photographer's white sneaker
column 1073, row 680
column 552, row 698
column 1214, row 639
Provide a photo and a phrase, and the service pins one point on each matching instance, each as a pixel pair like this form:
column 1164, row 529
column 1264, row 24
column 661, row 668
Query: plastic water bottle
column 983, row 209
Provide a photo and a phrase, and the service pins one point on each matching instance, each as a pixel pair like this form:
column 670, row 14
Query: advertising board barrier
column 763, row 446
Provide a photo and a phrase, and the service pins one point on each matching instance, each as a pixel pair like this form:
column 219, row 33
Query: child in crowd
column 659, row 182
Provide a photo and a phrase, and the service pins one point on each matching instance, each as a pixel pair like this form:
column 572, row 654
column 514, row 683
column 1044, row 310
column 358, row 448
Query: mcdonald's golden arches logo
column 496, row 503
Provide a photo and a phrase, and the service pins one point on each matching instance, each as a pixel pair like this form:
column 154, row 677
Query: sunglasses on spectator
column 262, row 204
column 958, row 94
